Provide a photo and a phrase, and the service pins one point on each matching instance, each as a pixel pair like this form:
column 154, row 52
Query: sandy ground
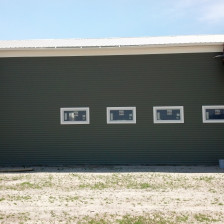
column 116, row 194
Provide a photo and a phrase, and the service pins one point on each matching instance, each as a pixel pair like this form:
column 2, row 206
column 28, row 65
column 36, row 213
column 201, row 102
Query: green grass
column 72, row 198
column 96, row 186
column 182, row 219
column 205, row 218
column 21, row 217
column 145, row 186
column 27, row 185
column 148, row 181
column 207, row 179
column 154, row 218
column 131, row 181
column 19, row 198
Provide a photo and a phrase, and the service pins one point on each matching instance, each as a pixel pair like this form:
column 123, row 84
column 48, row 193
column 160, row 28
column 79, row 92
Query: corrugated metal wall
column 32, row 91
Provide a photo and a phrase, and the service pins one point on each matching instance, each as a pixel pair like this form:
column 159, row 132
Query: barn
column 148, row 100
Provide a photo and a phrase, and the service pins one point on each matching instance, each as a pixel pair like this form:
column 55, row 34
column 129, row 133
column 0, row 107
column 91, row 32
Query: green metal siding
column 32, row 91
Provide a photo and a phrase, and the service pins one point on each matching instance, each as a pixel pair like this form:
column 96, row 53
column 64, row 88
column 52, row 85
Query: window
column 75, row 115
column 121, row 115
column 168, row 114
column 213, row 114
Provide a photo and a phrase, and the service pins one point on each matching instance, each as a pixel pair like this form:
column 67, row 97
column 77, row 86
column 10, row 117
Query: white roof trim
column 111, row 46
column 108, row 51
column 113, row 42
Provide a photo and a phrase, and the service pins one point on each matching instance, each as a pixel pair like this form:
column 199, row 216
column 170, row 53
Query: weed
column 182, row 219
column 99, row 186
column 127, row 219
column 204, row 218
column 28, row 185
column 19, row 198
column 212, row 190
column 74, row 198
column 145, row 185
column 96, row 186
column 52, row 214
column 207, row 179
column 47, row 184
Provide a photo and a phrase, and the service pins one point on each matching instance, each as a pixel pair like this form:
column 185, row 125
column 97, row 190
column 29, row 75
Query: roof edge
column 114, row 42
column 103, row 51
column 117, row 46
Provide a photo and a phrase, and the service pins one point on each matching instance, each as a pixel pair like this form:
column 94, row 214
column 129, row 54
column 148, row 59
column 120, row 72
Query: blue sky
column 37, row 19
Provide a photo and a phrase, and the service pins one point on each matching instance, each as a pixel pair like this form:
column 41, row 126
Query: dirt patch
column 118, row 194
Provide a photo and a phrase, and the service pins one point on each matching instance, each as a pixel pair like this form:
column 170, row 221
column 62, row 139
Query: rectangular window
column 213, row 114
column 75, row 115
column 168, row 114
column 121, row 115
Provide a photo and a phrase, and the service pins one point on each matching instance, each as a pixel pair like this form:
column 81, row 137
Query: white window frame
column 74, row 109
column 121, row 121
column 181, row 108
column 212, row 120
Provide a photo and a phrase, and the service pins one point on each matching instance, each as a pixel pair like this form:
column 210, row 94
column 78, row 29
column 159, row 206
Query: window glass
column 116, row 115
column 213, row 114
column 121, row 115
column 168, row 114
column 75, row 115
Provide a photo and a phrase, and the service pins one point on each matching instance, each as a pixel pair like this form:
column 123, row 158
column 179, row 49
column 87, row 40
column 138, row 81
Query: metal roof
column 114, row 42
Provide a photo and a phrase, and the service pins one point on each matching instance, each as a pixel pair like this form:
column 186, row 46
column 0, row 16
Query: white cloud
column 185, row 8
column 213, row 13
column 184, row 4
column 204, row 11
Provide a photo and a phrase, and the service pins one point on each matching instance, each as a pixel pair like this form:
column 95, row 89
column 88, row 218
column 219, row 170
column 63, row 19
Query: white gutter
column 56, row 52
column 114, row 46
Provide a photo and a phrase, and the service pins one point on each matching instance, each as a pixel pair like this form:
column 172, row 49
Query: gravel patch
column 113, row 194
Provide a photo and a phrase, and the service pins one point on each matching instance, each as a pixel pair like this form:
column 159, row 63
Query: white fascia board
column 101, row 51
